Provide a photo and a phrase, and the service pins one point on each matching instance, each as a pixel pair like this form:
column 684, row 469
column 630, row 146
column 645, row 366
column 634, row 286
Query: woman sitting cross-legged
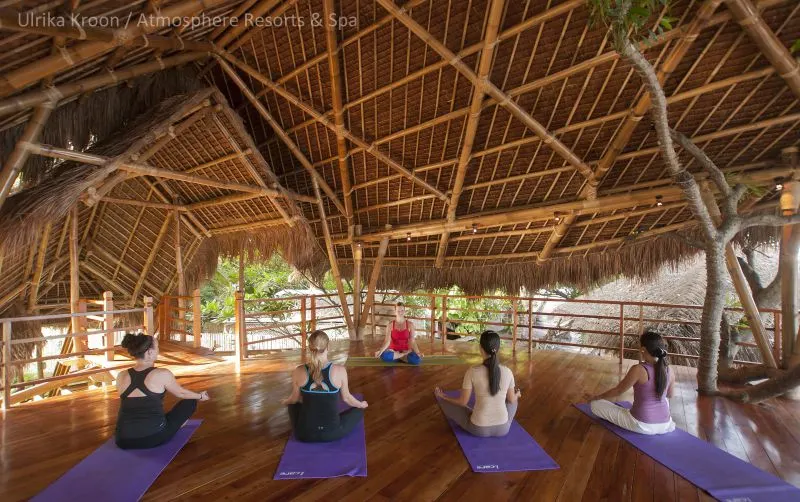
column 495, row 396
column 399, row 343
column 314, row 401
column 142, row 422
column 652, row 383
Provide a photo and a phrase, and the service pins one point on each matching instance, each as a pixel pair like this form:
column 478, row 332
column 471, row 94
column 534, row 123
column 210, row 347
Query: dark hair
column 399, row 304
column 137, row 344
column 490, row 343
column 657, row 347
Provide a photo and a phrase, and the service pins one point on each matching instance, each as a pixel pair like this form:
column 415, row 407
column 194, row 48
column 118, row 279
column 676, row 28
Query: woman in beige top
column 495, row 395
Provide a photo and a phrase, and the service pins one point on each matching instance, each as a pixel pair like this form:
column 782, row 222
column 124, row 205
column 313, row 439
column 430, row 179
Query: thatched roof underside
column 399, row 94
column 685, row 285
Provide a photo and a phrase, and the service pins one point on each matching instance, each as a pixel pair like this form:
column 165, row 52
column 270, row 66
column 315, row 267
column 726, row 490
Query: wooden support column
column 197, row 320
column 241, row 284
column 740, row 282
column 74, row 280
column 514, row 321
column 20, row 154
column 181, row 286
column 108, row 324
column 148, row 320
column 369, row 301
column 433, row 318
column 276, row 127
column 484, row 67
column 240, row 327
column 6, row 367
column 444, row 321
column 303, row 332
column 150, row 259
column 337, row 277
column 621, row 333
column 37, row 274
column 357, row 314
column 313, row 322
column 531, row 325
column 788, row 267
column 747, row 15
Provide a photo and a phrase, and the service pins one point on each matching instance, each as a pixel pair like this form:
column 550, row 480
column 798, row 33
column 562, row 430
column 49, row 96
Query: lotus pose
column 142, row 422
column 652, row 383
column 495, row 396
column 400, row 344
column 314, row 401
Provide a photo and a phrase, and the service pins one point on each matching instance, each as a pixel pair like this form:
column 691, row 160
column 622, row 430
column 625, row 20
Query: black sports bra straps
column 137, row 382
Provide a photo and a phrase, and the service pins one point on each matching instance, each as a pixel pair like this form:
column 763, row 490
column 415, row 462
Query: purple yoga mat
column 515, row 452
column 345, row 457
column 724, row 476
column 110, row 473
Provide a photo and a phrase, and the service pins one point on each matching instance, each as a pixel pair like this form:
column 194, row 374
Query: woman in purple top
column 652, row 383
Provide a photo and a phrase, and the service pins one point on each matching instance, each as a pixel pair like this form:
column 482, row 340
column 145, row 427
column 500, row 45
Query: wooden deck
column 412, row 454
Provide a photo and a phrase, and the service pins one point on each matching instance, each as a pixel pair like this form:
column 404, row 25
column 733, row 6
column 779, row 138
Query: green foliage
column 795, row 46
column 631, row 18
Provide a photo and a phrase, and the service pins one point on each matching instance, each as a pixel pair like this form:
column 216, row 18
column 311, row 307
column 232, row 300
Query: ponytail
column 317, row 344
column 137, row 344
column 490, row 343
column 657, row 347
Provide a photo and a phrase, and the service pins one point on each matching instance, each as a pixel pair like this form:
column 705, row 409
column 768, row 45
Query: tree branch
column 769, row 220
column 660, row 118
column 705, row 162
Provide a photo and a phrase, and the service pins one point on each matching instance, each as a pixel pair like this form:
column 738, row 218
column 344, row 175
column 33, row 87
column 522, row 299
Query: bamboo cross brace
column 371, row 148
column 299, row 155
column 40, row 259
column 150, row 259
column 20, row 154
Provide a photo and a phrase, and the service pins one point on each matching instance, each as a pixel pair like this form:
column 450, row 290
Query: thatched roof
column 378, row 113
column 684, row 285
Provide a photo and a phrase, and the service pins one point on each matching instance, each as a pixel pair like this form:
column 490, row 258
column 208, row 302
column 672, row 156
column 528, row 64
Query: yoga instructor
column 399, row 343
column 495, row 396
column 142, row 422
column 314, row 401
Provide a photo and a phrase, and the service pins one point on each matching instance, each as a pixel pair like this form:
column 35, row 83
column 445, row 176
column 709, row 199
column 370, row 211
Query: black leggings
column 176, row 417
column 348, row 420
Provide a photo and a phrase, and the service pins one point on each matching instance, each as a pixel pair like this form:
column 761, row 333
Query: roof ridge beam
column 484, row 66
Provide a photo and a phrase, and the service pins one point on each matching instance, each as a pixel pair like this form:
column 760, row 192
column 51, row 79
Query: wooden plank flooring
column 412, row 454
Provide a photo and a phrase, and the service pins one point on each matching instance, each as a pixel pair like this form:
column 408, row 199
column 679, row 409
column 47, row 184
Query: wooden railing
column 88, row 341
column 177, row 321
column 517, row 318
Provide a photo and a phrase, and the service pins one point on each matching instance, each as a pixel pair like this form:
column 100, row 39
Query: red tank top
column 400, row 338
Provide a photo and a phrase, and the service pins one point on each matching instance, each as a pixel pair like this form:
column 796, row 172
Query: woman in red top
column 400, row 344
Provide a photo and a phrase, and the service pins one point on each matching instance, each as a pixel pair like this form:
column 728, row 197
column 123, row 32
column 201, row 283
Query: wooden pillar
column 444, row 321
column 303, row 333
column 788, row 265
column 74, row 280
column 372, row 319
column 369, row 301
column 777, row 346
column 357, row 314
column 37, row 274
column 197, row 319
column 621, row 332
column 108, row 324
column 531, row 325
column 433, row 318
column 83, row 325
column 40, row 366
column 515, row 319
column 148, row 321
column 242, row 265
column 6, row 365
column 179, row 271
column 313, row 323
column 240, row 327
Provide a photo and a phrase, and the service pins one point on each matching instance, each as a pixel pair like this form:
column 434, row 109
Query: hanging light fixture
column 474, row 228
column 408, row 236
column 778, row 183
column 659, row 203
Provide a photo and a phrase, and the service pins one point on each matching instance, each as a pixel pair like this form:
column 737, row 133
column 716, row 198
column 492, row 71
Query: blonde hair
column 317, row 344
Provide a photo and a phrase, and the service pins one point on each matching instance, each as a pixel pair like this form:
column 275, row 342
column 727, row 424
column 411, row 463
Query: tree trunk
column 710, row 320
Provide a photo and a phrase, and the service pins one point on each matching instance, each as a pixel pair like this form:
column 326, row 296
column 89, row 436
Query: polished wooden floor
column 412, row 454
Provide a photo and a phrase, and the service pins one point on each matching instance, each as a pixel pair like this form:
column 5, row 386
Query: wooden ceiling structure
column 477, row 142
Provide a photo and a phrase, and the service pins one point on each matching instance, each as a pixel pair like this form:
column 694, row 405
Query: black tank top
column 143, row 415
column 320, row 409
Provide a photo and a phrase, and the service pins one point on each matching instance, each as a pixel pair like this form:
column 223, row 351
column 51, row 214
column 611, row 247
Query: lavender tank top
column 648, row 407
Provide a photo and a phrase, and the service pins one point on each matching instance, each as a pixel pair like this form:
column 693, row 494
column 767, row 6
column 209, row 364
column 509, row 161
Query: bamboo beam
column 150, row 259
column 102, row 276
column 748, row 17
column 337, row 277
column 370, row 148
column 144, row 204
column 282, row 134
column 5, row 299
column 228, row 199
column 261, row 8
column 233, row 18
column 74, row 280
column 58, row 26
column 503, row 99
column 668, row 192
column 634, row 116
column 248, row 226
column 337, row 91
column 179, row 255
column 189, row 219
column 16, row 160
column 20, row 78
column 484, row 67
column 369, row 301
column 212, row 163
column 115, row 261
column 40, row 258
column 146, row 170
column 69, row 90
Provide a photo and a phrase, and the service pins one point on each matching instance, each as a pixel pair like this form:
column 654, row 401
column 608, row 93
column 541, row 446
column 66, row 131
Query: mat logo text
column 488, row 466
column 293, row 473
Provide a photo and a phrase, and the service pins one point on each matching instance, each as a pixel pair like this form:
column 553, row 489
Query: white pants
column 622, row 417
